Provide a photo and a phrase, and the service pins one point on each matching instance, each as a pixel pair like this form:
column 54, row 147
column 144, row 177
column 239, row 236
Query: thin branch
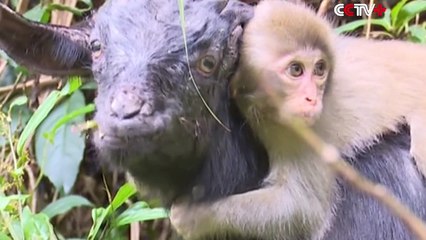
column 322, row 10
column 135, row 231
column 22, row 6
column 63, row 18
column 9, row 94
column 3, row 64
column 368, row 31
column 28, row 84
column 331, row 156
column 32, row 187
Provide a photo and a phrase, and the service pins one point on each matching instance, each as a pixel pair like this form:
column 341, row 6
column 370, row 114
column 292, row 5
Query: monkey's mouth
column 309, row 118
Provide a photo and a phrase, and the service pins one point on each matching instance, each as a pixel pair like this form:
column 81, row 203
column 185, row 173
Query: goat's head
column 149, row 107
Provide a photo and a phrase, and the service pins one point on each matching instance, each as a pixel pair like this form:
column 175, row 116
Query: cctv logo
column 357, row 9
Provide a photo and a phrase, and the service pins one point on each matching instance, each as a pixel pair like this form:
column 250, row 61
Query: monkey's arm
column 250, row 213
column 239, row 213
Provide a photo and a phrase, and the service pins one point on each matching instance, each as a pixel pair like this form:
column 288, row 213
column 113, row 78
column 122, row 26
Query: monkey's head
column 295, row 85
column 286, row 60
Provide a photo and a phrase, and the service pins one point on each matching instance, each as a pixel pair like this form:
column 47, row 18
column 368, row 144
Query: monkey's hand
column 192, row 221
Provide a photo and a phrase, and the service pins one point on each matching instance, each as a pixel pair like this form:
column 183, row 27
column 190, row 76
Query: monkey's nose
column 126, row 104
column 312, row 101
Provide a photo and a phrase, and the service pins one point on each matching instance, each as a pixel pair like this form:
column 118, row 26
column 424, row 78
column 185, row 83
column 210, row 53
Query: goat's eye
column 207, row 64
column 295, row 69
column 96, row 48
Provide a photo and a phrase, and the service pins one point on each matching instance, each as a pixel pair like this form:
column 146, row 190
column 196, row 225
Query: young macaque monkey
column 349, row 90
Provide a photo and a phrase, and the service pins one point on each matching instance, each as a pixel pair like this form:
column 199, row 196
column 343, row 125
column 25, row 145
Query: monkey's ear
column 47, row 49
column 238, row 12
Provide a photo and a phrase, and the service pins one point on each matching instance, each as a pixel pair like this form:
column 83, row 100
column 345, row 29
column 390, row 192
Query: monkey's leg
column 418, row 139
column 250, row 213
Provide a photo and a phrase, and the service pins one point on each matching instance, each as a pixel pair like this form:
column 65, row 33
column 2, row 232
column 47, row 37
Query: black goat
column 154, row 123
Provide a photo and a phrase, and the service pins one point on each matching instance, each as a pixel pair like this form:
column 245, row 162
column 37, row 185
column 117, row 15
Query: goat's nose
column 126, row 103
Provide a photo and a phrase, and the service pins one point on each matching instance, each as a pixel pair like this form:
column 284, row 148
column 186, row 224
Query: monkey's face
column 301, row 76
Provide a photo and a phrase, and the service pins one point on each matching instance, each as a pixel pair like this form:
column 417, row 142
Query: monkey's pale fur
column 374, row 86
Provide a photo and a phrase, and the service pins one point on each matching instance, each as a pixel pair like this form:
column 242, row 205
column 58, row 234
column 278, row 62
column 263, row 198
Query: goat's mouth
column 115, row 133
column 113, row 141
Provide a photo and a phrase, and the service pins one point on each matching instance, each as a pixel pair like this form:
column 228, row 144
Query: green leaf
column 385, row 22
column 3, row 236
column 139, row 212
column 73, row 10
column 17, row 116
column 16, row 230
column 98, row 216
column 67, row 118
column 67, row 149
column 38, row 116
column 21, row 100
column 349, row 27
column 14, row 3
column 409, row 11
column 417, row 34
column 65, row 204
column 395, row 11
column 36, row 226
column 87, row 2
column 8, row 76
column 39, row 13
column 74, row 83
column 44, row 109
column 123, row 194
column 5, row 200
column 9, row 60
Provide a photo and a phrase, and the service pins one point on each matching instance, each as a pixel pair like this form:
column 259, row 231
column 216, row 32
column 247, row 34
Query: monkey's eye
column 207, row 64
column 295, row 69
column 320, row 68
column 96, row 48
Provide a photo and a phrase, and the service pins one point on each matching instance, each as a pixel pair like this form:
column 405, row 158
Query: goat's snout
column 127, row 103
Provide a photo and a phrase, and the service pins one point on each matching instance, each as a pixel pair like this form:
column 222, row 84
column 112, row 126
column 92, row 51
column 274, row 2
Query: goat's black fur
column 174, row 145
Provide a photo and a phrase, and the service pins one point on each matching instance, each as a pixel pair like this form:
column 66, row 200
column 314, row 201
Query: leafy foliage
column 59, row 148
column 140, row 211
column 397, row 21
column 65, row 150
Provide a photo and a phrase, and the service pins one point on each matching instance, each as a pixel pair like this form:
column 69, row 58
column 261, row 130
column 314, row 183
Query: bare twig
column 28, row 84
column 3, row 65
column 368, row 31
column 322, row 10
column 63, row 17
column 135, row 231
column 18, row 79
column 330, row 155
column 32, row 187
column 22, row 6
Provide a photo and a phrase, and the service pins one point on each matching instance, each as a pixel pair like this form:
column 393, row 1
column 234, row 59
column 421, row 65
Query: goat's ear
column 238, row 12
column 46, row 49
